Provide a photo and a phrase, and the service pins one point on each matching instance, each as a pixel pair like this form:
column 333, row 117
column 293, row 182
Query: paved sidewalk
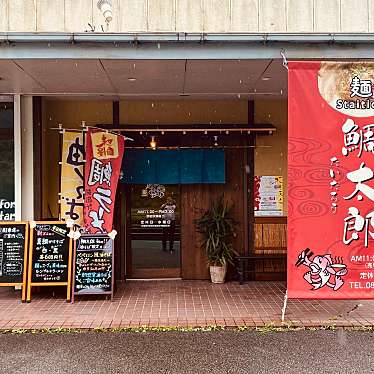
column 181, row 303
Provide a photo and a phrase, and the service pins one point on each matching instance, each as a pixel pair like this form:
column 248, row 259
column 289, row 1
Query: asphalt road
column 189, row 352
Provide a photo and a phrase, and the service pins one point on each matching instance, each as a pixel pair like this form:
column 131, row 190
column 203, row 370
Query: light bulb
column 153, row 143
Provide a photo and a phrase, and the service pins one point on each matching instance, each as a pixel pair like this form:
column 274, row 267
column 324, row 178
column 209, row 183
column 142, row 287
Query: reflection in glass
column 155, row 227
column 7, row 204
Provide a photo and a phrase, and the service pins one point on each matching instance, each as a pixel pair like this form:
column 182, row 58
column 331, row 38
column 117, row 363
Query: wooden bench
column 267, row 256
column 246, row 264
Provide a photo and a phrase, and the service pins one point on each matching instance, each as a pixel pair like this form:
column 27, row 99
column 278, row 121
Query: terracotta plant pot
column 217, row 274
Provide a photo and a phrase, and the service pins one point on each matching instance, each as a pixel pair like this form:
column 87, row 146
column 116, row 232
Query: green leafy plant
column 217, row 229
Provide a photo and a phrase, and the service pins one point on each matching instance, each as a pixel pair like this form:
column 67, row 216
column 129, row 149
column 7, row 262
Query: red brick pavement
column 180, row 303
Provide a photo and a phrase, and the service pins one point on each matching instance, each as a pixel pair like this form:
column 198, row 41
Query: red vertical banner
column 104, row 153
column 331, row 180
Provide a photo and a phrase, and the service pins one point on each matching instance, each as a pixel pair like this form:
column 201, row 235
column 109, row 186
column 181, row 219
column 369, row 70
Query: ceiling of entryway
column 146, row 79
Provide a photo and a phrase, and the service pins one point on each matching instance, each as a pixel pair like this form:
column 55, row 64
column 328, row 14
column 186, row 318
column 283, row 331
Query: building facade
column 191, row 16
column 197, row 74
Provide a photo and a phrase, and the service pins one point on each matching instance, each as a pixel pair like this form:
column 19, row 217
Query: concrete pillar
column 17, row 158
column 27, row 159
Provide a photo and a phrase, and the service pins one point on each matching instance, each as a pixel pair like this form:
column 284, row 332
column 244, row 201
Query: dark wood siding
column 195, row 199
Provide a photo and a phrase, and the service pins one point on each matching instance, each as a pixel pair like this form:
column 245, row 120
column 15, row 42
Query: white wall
column 191, row 15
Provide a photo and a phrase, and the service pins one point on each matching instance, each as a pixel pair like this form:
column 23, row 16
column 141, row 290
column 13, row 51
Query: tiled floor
column 181, row 303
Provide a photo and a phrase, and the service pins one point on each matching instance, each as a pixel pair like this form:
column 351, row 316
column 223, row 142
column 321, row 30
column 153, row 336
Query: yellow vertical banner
column 72, row 178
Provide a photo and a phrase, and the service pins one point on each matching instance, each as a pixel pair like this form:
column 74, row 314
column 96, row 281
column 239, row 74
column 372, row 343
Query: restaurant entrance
column 166, row 189
column 197, row 161
column 154, row 231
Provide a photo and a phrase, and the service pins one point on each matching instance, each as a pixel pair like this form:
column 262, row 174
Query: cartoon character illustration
column 323, row 270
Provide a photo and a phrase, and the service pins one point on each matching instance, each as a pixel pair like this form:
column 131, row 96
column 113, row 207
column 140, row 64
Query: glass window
column 7, row 203
column 155, row 230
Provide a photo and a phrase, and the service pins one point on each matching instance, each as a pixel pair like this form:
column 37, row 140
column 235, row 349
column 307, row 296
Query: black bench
column 246, row 264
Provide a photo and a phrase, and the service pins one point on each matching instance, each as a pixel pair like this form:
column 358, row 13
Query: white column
column 17, row 157
column 27, row 172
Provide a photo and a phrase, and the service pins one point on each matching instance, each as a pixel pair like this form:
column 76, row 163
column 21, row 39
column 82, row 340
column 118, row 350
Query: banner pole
column 60, row 152
column 84, row 135
column 285, row 65
column 285, row 61
column 284, row 306
column 110, row 132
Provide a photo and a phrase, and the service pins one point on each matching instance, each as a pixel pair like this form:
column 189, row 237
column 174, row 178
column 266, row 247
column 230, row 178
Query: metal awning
column 114, row 79
column 185, row 46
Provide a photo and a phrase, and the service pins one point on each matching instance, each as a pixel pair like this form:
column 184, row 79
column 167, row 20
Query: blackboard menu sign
column 93, row 265
column 13, row 254
column 50, row 253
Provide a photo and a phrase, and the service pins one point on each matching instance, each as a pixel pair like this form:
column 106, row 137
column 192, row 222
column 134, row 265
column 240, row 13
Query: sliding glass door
column 155, row 231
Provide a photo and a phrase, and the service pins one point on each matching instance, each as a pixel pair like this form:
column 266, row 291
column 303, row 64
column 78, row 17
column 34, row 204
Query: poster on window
column 268, row 195
column 104, row 153
column 331, row 180
column 7, row 195
column 72, row 181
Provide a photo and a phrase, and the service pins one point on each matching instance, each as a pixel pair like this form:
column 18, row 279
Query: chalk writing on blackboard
column 94, row 265
column 12, row 252
column 50, row 253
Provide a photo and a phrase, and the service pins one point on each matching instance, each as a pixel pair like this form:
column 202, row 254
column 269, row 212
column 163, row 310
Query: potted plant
column 217, row 229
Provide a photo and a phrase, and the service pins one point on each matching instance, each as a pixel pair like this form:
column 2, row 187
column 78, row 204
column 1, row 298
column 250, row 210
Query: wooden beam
column 228, row 130
column 37, row 147
column 119, row 253
column 115, row 119
column 251, row 178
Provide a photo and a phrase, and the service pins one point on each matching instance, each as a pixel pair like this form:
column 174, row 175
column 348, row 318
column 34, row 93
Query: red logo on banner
column 104, row 153
column 331, row 180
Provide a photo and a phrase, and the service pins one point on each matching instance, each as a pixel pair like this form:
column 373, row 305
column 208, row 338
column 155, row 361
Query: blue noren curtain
column 185, row 166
